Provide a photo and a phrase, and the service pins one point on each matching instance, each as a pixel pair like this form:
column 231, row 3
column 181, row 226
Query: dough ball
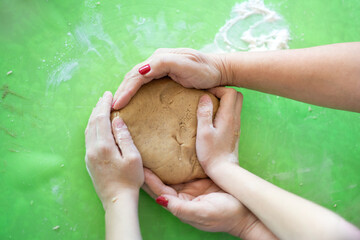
column 162, row 120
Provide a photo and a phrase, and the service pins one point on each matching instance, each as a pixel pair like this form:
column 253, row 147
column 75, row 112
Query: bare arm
column 326, row 75
column 121, row 216
column 286, row 215
column 115, row 167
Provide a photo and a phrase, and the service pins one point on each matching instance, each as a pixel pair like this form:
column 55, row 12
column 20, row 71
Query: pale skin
column 118, row 175
column 327, row 76
column 115, row 167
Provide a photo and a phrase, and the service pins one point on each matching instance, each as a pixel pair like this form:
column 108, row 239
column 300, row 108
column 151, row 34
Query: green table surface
column 64, row 54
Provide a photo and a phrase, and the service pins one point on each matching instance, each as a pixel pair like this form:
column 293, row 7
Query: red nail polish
column 144, row 69
column 112, row 106
column 162, row 201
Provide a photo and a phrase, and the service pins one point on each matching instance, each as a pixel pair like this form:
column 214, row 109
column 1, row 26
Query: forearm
column 285, row 214
column 121, row 216
column 327, row 75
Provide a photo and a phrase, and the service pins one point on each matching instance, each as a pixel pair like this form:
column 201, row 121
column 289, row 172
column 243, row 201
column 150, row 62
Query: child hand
column 217, row 142
column 114, row 167
column 188, row 67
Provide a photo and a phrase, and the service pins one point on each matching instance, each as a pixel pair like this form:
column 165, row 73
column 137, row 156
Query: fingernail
column 112, row 106
column 161, row 200
column 204, row 100
column 119, row 123
column 144, row 69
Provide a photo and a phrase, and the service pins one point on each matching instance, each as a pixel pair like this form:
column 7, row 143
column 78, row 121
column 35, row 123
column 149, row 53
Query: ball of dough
column 162, row 120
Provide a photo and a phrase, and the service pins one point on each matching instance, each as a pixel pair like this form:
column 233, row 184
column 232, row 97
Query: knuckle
column 205, row 134
column 176, row 211
column 103, row 148
column 196, row 57
column 231, row 91
column 229, row 120
column 91, row 122
column 202, row 215
column 100, row 117
column 129, row 74
column 133, row 157
column 162, row 60
column 90, row 155
column 161, row 50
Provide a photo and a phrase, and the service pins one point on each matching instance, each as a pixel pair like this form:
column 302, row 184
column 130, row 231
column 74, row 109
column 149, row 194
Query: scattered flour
column 92, row 29
column 62, row 73
column 252, row 27
column 87, row 36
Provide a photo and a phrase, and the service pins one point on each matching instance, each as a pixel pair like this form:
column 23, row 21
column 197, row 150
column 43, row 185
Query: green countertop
column 64, row 54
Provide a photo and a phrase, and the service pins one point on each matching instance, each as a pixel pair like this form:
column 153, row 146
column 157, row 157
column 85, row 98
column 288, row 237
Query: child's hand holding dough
column 115, row 167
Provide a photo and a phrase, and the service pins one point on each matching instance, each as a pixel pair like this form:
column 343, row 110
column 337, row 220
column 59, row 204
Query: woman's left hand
column 114, row 167
column 202, row 204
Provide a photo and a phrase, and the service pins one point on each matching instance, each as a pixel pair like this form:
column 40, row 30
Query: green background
column 65, row 54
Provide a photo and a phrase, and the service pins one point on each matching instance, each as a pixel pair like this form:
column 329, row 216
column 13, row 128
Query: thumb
column 183, row 209
column 205, row 112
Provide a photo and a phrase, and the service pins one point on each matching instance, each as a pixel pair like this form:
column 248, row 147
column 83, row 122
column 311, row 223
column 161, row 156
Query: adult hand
column 200, row 203
column 189, row 67
column 217, row 141
column 113, row 166
column 203, row 205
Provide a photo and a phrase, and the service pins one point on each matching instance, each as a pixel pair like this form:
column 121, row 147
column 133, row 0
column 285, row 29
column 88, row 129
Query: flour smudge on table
column 252, row 27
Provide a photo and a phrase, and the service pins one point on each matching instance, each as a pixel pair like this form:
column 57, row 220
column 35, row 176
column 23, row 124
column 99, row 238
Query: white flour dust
column 251, row 27
column 62, row 74
column 91, row 30
column 86, row 37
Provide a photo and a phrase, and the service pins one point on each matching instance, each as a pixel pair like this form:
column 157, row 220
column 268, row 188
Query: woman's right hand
column 188, row 67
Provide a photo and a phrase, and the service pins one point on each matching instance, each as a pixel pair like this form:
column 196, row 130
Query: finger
column 166, row 64
column 90, row 131
column 123, row 139
column 238, row 107
column 102, row 118
column 157, row 66
column 147, row 189
column 225, row 114
column 205, row 112
column 156, row 185
column 133, row 80
column 167, row 61
column 185, row 210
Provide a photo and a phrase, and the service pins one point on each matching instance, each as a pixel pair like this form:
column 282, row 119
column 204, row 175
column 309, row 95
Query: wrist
column 120, row 197
column 220, row 62
column 227, row 69
column 217, row 169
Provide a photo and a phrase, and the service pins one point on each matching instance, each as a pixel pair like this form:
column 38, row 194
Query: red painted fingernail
column 112, row 106
column 162, row 201
column 144, row 69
